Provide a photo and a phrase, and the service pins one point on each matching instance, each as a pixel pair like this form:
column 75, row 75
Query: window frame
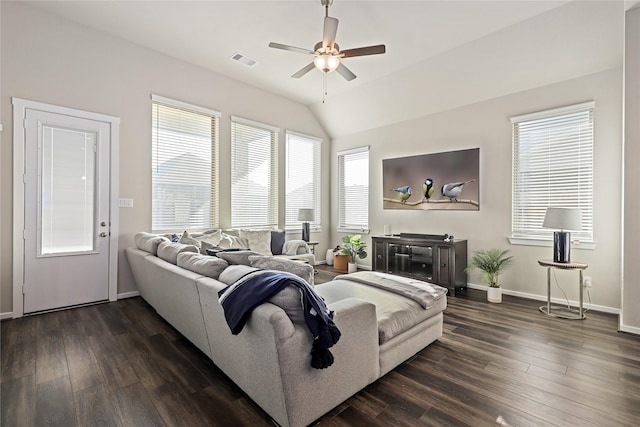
column 582, row 166
column 342, row 206
column 272, row 199
column 214, row 208
column 316, row 204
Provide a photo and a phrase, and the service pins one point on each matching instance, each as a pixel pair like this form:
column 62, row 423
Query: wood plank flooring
column 120, row 364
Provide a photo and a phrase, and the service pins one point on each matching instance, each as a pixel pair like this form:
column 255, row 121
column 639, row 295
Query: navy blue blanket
column 240, row 298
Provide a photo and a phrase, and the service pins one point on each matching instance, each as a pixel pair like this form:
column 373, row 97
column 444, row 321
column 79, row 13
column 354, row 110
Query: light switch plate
column 125, row 203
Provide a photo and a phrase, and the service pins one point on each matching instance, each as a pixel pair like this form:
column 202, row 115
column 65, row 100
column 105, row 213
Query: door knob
column 103, row 224
column 103, row 234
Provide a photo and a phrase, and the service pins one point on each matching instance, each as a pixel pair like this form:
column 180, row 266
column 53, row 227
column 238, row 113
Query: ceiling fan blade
column 362, row 51
column 290, row 48
column 304, row 70
column 345, row 72
column 329, row 32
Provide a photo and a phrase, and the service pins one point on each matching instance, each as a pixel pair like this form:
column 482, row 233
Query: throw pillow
column 234, row 272
column 202, row 264
column 236, row 257
column 300, row 269
column 228, row 241
column 277, row 241
column 169, row 251
column 187, row 239
column 258, row 240
column 149, row 242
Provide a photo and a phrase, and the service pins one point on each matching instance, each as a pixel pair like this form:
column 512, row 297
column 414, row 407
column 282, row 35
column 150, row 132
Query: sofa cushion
column 202, row 264
column 236, row 257
column 229, row 241
column 149, row 242
column 300, row 269
column 234, row 272
column 169, row 251
column 258, row 240
column 277, row 241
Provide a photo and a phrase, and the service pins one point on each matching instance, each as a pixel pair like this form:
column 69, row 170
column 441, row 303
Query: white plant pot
column 329, row 257
column 353, row 267
column 494, row 294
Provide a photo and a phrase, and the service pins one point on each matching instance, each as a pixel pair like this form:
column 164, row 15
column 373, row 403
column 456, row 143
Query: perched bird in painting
column 453, row 189
column 403, row 192
column 427, row 189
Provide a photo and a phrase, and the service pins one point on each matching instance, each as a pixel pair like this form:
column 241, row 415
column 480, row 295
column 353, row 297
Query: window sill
column 353, row 230
column 539, row 242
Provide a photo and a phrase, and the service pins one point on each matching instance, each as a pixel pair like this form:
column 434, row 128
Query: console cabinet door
column 444, row 271
column 380, row 256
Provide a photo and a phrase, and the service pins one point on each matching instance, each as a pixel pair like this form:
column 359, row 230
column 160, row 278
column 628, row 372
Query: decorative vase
column 340, row 262
column 494, row 294
column 329, row 257
column 352, row 267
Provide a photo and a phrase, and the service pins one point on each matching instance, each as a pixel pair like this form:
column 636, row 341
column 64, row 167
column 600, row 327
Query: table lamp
column 562, row 219
column 305, row 215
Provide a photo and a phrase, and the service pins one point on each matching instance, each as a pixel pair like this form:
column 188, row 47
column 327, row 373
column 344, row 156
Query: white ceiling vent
column 244, row 59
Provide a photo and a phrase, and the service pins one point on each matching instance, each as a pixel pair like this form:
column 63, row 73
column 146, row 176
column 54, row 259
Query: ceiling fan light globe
column 326, row 63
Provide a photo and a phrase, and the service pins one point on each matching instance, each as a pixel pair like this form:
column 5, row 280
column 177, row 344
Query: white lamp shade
column 305, row 215
column 563, row 219
column 326, row 62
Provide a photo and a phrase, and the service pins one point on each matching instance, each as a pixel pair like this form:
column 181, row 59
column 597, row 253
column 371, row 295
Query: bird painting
column 403, row 192
column 453, row 189
column 427, row 189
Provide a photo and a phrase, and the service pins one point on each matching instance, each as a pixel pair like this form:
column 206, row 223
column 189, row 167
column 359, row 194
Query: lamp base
column 305, row 231
column 562, row 247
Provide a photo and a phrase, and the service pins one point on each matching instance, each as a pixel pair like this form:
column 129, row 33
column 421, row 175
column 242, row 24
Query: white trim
column 20, row 107
column 131, row 294
column 7, row 315
column 353, row 151
column 629, row 329
column 302, row 135
column 353, row 230
column 540, row 242
column 185, row 105
column 559, row 301
column 554, row 112
column 243, row 121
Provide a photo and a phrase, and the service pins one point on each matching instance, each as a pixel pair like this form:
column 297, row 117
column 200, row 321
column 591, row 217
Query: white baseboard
column 129, row 294
column 560, row 301
column 7, row 315
column 629, row 329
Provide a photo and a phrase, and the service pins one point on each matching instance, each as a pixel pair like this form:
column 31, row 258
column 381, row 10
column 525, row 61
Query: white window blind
column 184, row 176
column 303, row 178
column 353, row 189
column 254, row 176
column 552, row 167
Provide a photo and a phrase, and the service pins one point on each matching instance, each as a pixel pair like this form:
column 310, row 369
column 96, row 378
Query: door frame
column 20, row 107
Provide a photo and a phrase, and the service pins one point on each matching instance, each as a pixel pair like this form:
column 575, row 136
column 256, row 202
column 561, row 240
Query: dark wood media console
column 424, row 257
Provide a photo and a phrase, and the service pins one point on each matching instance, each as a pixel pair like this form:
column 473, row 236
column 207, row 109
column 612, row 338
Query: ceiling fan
column 327, row 54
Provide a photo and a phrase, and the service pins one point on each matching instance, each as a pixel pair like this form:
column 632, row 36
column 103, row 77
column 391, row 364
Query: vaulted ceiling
column 440, row 54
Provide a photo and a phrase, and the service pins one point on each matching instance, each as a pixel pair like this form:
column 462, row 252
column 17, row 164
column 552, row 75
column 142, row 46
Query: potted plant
column 491, row 262
column 355, row 247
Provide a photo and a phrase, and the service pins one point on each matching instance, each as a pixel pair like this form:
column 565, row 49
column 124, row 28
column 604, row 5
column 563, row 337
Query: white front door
column 66, row 210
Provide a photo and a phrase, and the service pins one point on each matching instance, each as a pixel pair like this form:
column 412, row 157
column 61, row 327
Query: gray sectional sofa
column 270, row 358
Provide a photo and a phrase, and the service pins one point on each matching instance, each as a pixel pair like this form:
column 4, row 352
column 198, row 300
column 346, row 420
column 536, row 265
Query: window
column 353, row 190
column 552, row 167
column 184, row 179
column 303, row 178
column 254, row 176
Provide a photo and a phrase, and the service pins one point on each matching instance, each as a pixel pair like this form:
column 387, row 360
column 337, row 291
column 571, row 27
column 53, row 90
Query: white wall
column 486, row 125
column 48, row 59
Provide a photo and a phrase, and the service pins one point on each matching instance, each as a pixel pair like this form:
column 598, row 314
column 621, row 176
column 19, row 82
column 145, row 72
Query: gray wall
column 486, row 125
column 48, row 59
column 630, row 319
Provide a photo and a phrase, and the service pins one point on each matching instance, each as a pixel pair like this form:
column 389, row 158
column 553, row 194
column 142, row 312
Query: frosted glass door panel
column 67, row 191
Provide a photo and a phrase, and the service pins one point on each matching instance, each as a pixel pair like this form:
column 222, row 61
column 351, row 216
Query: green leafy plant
column 354, row 246
column 490, row 262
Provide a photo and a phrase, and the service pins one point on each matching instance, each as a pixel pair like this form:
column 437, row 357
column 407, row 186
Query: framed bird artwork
column 438, row 181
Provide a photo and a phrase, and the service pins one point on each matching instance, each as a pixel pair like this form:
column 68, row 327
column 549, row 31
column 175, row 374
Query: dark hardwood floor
column 120, row 364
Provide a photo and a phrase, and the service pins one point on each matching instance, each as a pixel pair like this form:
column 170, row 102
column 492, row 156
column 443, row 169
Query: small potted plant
column 355, row 247
column 491, row 262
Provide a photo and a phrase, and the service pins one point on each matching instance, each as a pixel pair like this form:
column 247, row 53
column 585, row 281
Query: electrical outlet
column 586, row 281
